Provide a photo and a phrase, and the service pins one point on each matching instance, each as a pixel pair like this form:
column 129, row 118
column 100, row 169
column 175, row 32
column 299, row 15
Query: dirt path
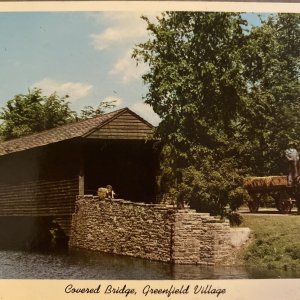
column 268, row 212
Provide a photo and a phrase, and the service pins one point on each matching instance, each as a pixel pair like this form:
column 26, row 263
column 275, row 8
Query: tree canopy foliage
column 35, row 112
column 228, row 98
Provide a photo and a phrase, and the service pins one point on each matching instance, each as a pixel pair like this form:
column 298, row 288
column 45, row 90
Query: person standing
column 293, row 157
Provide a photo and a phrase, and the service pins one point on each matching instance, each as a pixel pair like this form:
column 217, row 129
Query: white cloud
column 76, row 90
column 117, row 101
column 146, row 112
column 127, row 27
column 126, row 68
column 123, row 30
column 115, row 35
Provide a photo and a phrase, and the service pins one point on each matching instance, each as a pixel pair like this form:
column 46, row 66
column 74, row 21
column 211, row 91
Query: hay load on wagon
column 265, row 182
column 285, row 190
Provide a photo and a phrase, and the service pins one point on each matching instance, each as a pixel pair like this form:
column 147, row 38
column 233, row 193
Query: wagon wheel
column 253, row 203
column 284, row 206
column 284, row 202
column 297, row 198
column 253, row 206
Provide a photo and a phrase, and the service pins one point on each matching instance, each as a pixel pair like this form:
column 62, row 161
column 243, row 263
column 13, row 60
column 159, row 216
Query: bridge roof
column 120, row 124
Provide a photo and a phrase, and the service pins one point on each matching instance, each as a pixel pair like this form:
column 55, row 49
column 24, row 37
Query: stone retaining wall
column 149, row 231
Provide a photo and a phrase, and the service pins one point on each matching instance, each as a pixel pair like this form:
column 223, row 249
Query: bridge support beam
column 81, row 177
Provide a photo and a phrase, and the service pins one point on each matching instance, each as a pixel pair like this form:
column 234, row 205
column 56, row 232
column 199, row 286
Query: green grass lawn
column 275, row 241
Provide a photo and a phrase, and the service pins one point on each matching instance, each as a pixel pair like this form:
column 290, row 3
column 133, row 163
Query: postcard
column 149, row 149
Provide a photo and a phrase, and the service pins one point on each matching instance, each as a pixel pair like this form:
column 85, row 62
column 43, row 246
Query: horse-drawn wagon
column 273, row 186
column 285, row 190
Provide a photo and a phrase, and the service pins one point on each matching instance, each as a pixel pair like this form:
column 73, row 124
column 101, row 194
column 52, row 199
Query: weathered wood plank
column 39, row 198
column 122, row 134
column 126, row 126
column 125, row 129
column 120, row 137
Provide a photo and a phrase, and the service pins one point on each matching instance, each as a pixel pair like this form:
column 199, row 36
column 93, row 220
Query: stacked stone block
column 149, row 231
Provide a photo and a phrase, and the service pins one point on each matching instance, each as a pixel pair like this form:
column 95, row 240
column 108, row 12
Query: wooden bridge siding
column 126, row 126
column 40, row 198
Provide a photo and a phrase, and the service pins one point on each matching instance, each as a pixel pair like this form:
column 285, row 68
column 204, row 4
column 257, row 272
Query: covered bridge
column 42, row 173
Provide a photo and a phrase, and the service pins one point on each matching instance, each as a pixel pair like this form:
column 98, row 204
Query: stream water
column 82, row 264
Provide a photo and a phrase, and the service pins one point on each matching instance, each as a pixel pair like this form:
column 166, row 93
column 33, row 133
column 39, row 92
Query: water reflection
column 92, row 265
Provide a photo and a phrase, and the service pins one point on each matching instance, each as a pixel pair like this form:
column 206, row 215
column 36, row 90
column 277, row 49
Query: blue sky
column 85, row 55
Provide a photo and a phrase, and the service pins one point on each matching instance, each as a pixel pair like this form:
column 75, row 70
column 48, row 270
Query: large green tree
column 34, row 112
column 219, row 91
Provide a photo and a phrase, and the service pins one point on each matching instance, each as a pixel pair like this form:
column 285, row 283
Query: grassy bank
column 275, row 241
